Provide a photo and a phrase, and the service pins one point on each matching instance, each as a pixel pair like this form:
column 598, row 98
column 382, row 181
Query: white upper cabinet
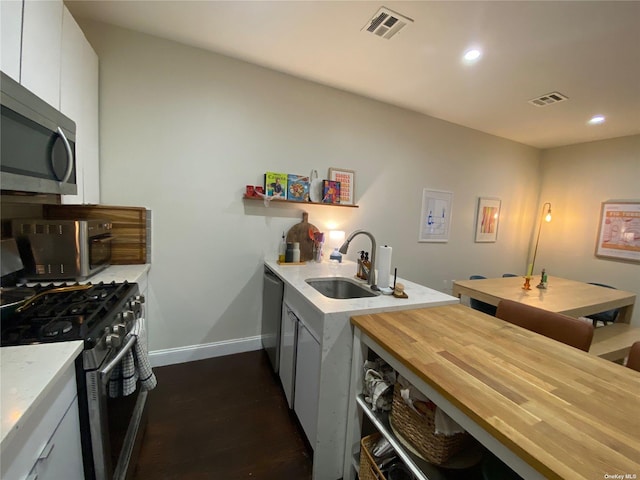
column 41, row 48
column 11, row 30
column 79, row 101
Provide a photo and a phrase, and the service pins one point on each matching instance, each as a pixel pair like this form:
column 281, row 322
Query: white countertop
column 295, row 276
column 114, row 273
column 28, row 374
column 120, row 273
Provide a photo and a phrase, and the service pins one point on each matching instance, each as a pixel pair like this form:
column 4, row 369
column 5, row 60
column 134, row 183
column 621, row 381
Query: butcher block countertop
column 565, row 413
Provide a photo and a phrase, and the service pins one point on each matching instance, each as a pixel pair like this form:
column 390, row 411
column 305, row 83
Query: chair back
column 557, row 326
column 633, row 361
column 477, row 304
column 610, row 316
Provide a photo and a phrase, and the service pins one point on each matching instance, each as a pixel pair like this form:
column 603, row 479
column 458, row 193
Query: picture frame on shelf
column 487, row 219
column 347, row 179
column 435, row 217
column 331, row 192
column 618, row 227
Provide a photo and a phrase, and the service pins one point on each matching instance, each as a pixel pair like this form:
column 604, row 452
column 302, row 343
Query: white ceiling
column 586, row 50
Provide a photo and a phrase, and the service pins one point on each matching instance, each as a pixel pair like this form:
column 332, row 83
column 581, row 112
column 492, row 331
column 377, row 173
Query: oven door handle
column 104, row 373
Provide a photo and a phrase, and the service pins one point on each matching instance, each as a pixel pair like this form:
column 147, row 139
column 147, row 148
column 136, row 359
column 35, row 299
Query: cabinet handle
column 46, row 451
column 67, row 147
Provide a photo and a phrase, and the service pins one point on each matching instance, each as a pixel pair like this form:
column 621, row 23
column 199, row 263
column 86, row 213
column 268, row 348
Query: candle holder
column 527, row 283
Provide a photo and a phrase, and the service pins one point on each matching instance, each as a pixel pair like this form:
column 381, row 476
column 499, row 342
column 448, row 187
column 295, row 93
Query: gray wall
column 576, row 180
column 184, row 130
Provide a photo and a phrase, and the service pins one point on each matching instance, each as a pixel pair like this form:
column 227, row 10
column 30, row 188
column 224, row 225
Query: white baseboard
column 170, row 356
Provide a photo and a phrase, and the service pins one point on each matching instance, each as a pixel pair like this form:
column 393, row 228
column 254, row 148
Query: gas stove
column 102, row 315
column 93, row 313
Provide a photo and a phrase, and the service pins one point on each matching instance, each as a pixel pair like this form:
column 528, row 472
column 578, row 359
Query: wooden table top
column 566, row 413
column 576, row 299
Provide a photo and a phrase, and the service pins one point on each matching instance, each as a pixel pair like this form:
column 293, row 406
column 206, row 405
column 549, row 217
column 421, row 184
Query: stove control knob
column 140, row 298
column 120, row 329
column 136, row 306
column 128, row 316
column 107, row 329
column 113, row 340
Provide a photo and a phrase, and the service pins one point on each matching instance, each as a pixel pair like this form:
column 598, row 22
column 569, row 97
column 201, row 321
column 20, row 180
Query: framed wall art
column 487, row 219
column 435, row 218
column 347, row 179
column 619, row 231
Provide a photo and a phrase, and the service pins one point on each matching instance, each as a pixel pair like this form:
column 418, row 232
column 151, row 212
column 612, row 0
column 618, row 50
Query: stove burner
column 56, row 328
column 71, row 315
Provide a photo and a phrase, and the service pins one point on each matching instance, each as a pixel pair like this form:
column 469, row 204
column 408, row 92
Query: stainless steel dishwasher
column 272, row 293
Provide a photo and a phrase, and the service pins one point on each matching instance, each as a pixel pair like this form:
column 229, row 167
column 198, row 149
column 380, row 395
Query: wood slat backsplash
column 129, row 245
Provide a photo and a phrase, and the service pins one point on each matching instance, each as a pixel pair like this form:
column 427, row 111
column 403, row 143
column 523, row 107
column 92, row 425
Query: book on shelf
column 330, row 191
column 275, row 184
column 298, row 188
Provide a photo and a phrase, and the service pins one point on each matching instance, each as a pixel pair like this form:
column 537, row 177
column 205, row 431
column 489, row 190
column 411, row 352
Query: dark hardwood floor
column 223, row 418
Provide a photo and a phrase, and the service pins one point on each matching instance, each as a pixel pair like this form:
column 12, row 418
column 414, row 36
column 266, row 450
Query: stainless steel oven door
column 116, row 424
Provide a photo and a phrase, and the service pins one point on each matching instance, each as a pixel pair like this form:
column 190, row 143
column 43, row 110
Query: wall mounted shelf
column 293, row 202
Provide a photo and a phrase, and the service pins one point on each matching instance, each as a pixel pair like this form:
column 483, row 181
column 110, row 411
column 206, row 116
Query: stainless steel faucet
column 345, row 247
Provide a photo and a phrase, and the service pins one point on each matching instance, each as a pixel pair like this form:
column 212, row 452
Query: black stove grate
column 64, row 316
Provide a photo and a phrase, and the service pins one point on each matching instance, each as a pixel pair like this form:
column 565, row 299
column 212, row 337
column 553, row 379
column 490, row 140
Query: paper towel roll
column 383, row 262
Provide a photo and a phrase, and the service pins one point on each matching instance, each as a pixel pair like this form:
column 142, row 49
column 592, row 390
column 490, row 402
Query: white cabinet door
column 41, row 49
column 62, row 455
column 79, row 101
column 307, row 384
column 287, row 369
column 11, row 33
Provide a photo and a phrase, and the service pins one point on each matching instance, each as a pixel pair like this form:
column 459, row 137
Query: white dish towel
column 134, row 365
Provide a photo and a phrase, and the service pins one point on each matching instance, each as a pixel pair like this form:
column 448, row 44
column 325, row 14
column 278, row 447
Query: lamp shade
column 336, row 237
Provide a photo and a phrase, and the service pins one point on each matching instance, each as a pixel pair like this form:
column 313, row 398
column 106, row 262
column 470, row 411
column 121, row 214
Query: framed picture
column 435, row 218
column 619, row 232
column 487, row 219
column 347, row 179
column 330, row 191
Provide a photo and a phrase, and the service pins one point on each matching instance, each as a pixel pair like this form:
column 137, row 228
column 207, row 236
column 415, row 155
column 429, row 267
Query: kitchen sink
column 341, row 288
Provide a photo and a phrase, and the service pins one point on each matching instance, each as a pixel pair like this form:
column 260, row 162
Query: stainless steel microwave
column 63, row 249
column 37, row 144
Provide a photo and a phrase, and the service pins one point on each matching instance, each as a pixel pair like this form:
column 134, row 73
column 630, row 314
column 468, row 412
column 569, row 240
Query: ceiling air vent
column 548, row 99
column 386, row 23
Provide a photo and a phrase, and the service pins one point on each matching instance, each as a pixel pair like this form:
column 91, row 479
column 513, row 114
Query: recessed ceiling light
column 472, row 55
column 596, row 120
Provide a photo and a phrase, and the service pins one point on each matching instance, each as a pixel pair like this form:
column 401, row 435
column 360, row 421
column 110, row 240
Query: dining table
column 570, row 297
column 547, row 410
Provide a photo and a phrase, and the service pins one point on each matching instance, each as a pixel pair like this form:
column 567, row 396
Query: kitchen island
column 545, row 409
column 328, row 321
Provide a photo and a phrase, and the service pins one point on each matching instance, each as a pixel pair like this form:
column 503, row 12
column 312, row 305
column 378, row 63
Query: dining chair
column 633, row 360
column 610, row 316
column 477, row 304
column 557, row 326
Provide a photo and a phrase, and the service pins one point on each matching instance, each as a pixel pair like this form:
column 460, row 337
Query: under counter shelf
column 420, row 468
column 381, row 423
column 294, row 202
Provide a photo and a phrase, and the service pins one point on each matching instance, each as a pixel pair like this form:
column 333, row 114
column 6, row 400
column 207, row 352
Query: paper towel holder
column 384, row 269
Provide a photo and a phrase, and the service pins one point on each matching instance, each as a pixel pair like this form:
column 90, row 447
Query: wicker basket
column 419, row 431
column 368, row 468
